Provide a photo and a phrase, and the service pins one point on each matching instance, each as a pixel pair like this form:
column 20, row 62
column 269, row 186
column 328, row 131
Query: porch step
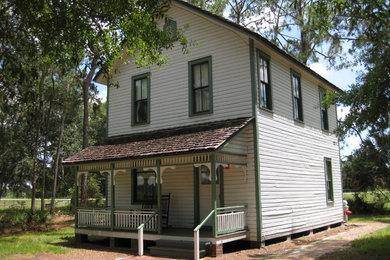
column 177, row 248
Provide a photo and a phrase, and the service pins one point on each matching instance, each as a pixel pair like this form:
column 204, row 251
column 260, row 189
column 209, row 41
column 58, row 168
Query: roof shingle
column 194, row 138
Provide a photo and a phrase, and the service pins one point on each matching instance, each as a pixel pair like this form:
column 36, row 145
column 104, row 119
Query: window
column 264, row 83
column 141, row 99
column 144, row 186
column 200, row 85
column 171, row 27
column 328, row 180
column 324, row 111
column 297, row 96
column 205, row 175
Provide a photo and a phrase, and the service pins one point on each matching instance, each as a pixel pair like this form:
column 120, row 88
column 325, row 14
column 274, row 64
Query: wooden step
column 177, row 248
column 175, row 252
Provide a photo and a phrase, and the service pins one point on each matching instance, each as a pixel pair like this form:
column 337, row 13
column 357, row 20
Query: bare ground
column 303, row 248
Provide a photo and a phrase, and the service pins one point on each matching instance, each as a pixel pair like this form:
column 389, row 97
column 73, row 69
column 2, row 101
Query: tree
column 303, row 28
column 60, row 35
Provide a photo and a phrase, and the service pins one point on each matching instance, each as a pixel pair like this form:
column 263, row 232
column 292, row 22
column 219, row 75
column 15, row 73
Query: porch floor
column 172, row 233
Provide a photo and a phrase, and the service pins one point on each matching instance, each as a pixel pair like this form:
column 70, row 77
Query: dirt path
column 307, row 247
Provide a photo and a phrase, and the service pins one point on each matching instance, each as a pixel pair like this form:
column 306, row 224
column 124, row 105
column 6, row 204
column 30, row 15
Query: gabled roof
column 257, row 37
column 206, row 137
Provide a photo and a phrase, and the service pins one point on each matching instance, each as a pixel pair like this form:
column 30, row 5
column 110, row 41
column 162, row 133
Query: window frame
column 329, row 187
column 191, row 94
column 134, row 199
column 323, row 109
column 267, row 59
column 133, row 99
column 296, row 117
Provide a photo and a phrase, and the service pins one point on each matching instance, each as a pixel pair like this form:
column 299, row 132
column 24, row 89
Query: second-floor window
column 141, row 99
column 264, row 82
column 297, row 96
column 324, row 111
column 200, row 86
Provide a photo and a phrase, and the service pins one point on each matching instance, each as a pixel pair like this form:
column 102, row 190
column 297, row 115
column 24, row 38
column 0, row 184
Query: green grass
column 371, row 246
column 385, row 219
column 50, row 242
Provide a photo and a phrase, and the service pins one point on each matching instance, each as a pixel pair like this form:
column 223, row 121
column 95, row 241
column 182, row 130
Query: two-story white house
column 233, row 131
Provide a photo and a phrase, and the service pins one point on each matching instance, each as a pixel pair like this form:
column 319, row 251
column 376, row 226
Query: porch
column 212, row 221
column 192, row 167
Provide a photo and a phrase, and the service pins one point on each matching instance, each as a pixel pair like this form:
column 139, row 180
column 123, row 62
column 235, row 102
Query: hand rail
column 196, row 235
column 140, row 229
column 233, row 207
column 204, row 221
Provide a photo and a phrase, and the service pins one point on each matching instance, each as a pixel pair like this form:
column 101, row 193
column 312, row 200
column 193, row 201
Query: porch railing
column 123, row 219
column 231, row 219
column 94, row 217
column 133, row 219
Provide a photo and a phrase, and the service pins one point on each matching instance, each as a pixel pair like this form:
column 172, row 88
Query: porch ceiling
column 206, row 137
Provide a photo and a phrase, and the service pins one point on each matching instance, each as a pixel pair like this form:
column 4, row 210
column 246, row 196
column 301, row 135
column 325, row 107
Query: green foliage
column 22, row 218
column 50, row 242
column 361, row 205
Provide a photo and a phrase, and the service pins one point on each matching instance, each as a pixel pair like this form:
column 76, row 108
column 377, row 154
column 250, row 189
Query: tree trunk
column 59, row 148
column 34, row 177
column 86, row 84
column 44, row 174
column 57, row 162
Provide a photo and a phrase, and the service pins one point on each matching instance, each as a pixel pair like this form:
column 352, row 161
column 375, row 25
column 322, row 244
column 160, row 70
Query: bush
column 22, row 218
column 362, row 204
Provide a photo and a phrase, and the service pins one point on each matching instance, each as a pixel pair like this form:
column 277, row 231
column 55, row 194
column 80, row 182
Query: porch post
column 112, row 197
column 159, row 197
column 214, row 194
column 76, row 200
column 221, row 187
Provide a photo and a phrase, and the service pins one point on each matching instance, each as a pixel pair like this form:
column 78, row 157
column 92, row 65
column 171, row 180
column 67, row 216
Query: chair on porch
column 165, row 200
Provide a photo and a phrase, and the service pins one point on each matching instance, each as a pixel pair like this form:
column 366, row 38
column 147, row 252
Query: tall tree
column 82, row 36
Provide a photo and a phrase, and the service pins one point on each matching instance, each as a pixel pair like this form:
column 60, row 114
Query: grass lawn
column 372, row 246
column 51, row 242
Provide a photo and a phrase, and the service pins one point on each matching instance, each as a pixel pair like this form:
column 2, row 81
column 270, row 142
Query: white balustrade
column 231, row 221
column 91, row 217
column 132, row 219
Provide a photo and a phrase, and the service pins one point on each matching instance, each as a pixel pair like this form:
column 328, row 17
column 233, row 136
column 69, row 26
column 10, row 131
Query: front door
column 205, row 188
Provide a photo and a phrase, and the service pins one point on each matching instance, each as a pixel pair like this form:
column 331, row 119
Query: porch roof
column 204, row 137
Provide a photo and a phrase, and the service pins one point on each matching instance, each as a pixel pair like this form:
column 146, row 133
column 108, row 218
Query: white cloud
column 320, row 69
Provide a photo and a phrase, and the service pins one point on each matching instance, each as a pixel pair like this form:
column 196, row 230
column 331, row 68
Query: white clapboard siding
column 238, row 145
column 291, row 154
column 239, row 184
column 282, row 93
column 169, row 84
column 179, row 183
column 293, row 193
